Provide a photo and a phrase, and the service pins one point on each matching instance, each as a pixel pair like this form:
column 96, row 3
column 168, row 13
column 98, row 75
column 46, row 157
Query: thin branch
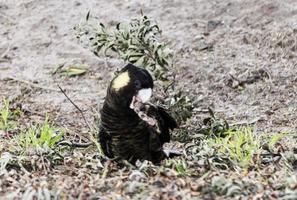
column 85, row 120
column 72, row 144
column 81, row 112
column 4, row 59
column 245, row 122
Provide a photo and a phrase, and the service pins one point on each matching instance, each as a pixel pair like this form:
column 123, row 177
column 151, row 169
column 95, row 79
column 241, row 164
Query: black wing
column 166, row 123
column 169, row 121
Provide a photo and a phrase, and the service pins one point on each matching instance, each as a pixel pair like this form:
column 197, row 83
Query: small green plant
column 179, row 105
column 138, row 42
column 214, row 126
column 41, row 135
column 240, row 144
column 274, row 139
column 34, row 148
column 5, row 123
column 180, row 166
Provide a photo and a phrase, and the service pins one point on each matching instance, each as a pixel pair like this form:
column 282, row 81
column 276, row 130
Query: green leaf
column 140, row 62
column 56, row 138
column 107, row 47
column 74, row 71
column 275, row 139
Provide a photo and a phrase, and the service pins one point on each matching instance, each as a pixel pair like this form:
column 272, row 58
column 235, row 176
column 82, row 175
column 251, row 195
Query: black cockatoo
column 129, row 131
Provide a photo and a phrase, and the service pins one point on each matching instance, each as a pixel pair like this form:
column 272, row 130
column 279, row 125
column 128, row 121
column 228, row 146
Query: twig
column 32, row 112
column 3, row 60
column 269, row 154
column 245, row 122
column 85, row 120
column 81, row 112
column 75, row 144
column 31, row 84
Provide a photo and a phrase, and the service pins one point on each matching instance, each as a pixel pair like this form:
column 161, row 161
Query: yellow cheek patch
column 121, row 81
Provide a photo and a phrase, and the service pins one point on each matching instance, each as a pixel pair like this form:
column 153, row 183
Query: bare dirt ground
column 238, row 57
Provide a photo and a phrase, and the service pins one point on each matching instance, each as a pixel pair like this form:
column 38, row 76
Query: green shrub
column 138, row 42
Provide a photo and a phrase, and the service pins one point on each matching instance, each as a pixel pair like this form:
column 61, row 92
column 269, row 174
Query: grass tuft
column 240, row 144
column 40, row 135
column 5, row 115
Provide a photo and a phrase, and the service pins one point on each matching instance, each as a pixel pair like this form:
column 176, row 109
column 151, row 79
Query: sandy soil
column 36, row 36
column 214, row 41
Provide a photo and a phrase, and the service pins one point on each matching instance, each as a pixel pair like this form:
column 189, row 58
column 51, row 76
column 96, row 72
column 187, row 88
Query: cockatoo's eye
column 137, row 84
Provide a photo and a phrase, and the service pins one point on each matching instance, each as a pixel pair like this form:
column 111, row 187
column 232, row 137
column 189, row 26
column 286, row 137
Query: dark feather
column 165, row 122
column 168, row 120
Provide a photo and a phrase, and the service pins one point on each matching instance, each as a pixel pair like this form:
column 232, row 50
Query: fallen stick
column 5, row 52
column 92, row 138
column 246, row 122
column 80, row 111
column 30, row 84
